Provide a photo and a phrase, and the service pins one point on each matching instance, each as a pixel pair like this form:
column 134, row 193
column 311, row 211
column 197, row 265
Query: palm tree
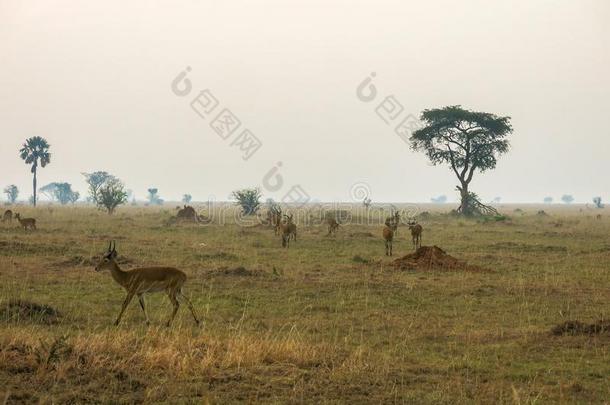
column 35, row 150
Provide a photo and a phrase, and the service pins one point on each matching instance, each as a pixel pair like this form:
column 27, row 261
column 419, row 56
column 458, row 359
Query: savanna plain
column 327, row 320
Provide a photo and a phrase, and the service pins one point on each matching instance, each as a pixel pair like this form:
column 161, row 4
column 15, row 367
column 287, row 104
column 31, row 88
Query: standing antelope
column 333, row 225
column 288, row 229
column 391, row 224
column 26, row 223
column 416, row 231
column 8, row 216
column 146, row 280
column 275, row 219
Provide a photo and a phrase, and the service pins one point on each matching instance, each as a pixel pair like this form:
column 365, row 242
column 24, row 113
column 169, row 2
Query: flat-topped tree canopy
column 469, row 141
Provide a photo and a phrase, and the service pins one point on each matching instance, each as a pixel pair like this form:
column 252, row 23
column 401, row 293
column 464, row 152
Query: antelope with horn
column 26, row 223
column 416, row 231
column 288, row 229
column 391, row 224
column 146, row 280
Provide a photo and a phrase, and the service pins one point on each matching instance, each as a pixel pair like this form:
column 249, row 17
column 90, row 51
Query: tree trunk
column 34, row 185
column 465, row 207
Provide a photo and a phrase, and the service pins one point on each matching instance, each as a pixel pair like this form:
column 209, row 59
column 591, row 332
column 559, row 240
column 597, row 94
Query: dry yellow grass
column 328, row 320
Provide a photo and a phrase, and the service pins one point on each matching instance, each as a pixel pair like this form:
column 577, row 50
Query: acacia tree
column 35, row 151
column 469, row 141
column 95, row 181
column 61, row 192
column 153, row 197
column 111, row 194
column 598, row 202
column 248, row 199
column 12, row 192
column 441, row 199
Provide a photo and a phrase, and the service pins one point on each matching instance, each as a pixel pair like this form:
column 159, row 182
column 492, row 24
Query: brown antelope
column 26, row 223
column 146, row 280
column 275, row 219
column 8, row 216
column 288, row 229
column 416, row 231
column 391, row 224
column 333, row 225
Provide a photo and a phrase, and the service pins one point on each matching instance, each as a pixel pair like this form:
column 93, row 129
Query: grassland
column 327, row 321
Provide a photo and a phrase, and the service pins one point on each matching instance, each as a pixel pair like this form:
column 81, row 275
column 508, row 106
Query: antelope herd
column 283, row 225
column 140, row 281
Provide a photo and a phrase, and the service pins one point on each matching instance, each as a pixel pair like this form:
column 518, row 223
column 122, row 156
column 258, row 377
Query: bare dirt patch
column 19, row 310
column 429, row 258
column 581, row 328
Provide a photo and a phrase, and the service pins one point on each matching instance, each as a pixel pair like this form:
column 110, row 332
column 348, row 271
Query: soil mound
column 428, row 258
column 18, row 310
column 580, row 328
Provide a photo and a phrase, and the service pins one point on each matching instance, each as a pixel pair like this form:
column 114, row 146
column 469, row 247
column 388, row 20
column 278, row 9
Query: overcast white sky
column 94, row 79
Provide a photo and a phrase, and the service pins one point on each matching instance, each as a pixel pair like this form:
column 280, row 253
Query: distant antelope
column 288, row 229
column 333, row 225
column 146, row 280
column 599, row 216
column 391, row 224
column 8, row 216
column 393, row 220
column 274, row 217
column 26, row 223
column 416, row 231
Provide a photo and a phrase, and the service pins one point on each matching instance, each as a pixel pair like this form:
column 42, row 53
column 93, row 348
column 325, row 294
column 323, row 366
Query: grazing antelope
column 26, row 223
column 8, row 216
column 288, row 229
column 333, row 225
column 391, row 224
column 146, row 280
column 416, row 231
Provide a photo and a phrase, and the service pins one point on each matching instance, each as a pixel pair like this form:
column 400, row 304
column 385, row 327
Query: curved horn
column 114, row 246
column 110, row 246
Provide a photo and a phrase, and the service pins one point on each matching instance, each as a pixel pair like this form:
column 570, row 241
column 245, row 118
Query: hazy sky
column 94, row 78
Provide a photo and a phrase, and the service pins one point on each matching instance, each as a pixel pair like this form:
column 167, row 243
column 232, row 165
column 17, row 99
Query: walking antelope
column 416, row 231
column 288, row 229
column 146, row 280
column 8, row 216
column 26, row 223
column 391, row 224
